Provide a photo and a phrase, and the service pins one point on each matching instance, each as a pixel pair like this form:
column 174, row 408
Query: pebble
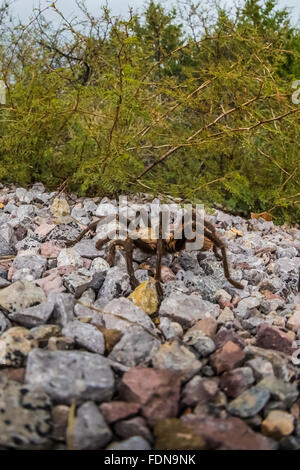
column 90, row 429
column 174, row 356
column 85, row 336
column 68, row 375
column 249, row 403
column 227, row 357
column 278, row 424
column 15, row 345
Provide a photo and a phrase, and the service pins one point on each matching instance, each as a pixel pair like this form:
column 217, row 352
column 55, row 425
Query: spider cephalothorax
column 153, row 242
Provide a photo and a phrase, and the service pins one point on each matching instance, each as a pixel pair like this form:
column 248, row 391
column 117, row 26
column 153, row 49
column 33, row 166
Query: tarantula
column 148, row 241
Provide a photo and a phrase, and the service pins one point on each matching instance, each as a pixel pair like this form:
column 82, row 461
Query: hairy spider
column 148, row 241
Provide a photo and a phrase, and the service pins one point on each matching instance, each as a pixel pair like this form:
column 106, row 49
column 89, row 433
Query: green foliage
column 100, row 100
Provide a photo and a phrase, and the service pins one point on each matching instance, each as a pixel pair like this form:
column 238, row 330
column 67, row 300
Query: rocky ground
column 85, row 363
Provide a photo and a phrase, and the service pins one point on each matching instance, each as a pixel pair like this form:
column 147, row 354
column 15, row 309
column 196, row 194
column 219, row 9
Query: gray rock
column 64, row 232
column 252, row 324
column 33, row 316
column 25, row 211
column 285, row 392
column 116, row 284
column 249, row 403
column 133, row 427
column 80, row 215
column 4, row 283
column 200, row 342
column 189, row 262
column 38, row 188
column 133, row 443
column 170, row 329
column 273, row 284
column 24, row 196
column 187, row 309
column 285, row 266
column 122, row 314
column 6, row 248
column 90, row 431
column 136, row 347
column 4, row 323
column 105, row 209
column 36, row 265
column 261, row 368
column 77, row 282
column 25, row 420
column 85, row 335
column 87, row 299
column 97, row 281
column 271, row 305
column 99, row 264
column 246, row 306
column 21, row 295
column 11, row 208
column 204, row 285
column 89, row 206
column 69, row 257
column 28, row 243
column 141, row 275
column 68, row 375
column 86, row 248
column 278, row 360
column 289, row 252
column 63, row 308
column 176, row 357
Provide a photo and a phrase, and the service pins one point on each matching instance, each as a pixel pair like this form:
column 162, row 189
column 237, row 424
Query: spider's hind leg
column 216, row 253
column 128, row 246
column 219, row 244
column 159, row 252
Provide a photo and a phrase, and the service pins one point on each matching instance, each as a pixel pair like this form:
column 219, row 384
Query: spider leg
column 129, row 245
column 159, row 252
column 216, row 253
column 220, row 244
column 112, row 253
column 91, row 227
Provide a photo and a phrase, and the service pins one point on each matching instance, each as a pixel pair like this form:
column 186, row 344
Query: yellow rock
column 145, row 297
column 278, row 424
column 1, row 206
column 238, row 232
column 60, row 208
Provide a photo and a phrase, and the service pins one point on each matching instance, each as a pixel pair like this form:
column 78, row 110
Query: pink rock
column 227, row 358
column 199, row 390
column 51, row 283
column 294, row 322
column 66, row 269
column 226, row 434
column 236, row 381
column 167, row 274
column 225, row 303
column 270, row 337
column 50, row 250
column 225, row 335
column 207, row 325
column 44, row 229
column 86, row 263
column 156, row 390
column 116, row 410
